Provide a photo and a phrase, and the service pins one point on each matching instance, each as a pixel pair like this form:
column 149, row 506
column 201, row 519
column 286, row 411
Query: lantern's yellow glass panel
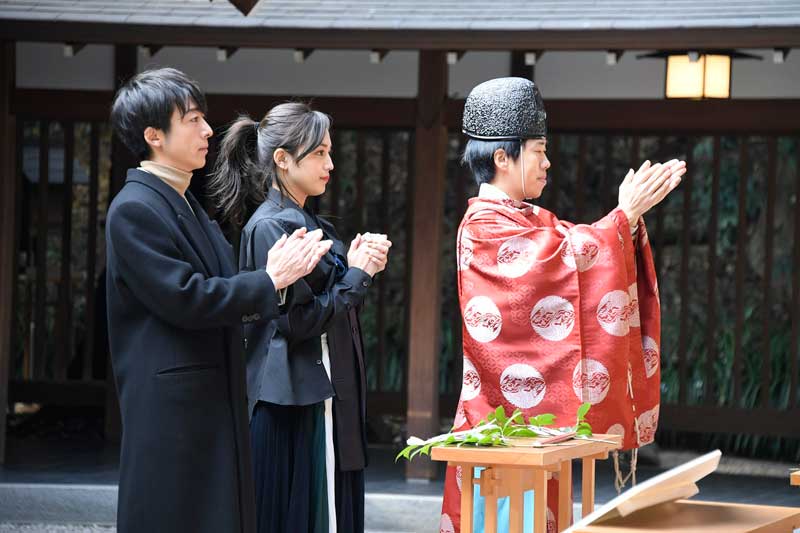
column 684, row 78
column 718, row 77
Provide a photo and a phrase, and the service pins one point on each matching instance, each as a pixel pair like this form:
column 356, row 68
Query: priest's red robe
column 555, row 314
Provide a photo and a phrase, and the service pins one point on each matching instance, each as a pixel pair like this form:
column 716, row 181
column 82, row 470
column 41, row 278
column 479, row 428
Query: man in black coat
column 175, row 313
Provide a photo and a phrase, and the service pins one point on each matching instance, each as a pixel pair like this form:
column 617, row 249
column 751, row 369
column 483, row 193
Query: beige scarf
column 175, row 178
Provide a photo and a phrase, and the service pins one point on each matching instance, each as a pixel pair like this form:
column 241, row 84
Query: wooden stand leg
column 587, row 484
column 516, row 507
column 490, row 497
column 540, row 501
column 565, row 495
column 467, row 498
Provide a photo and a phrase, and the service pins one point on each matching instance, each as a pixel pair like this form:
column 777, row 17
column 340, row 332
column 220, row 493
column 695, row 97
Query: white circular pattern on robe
column 647, row 424
column 516, row 256
column 553, row 318
column 459, row 473
column 581, row 252
column 465, row 250
column 461, row 416
column 651, row 355
column 482, row 318
column 596, row 381
column 446, row 525
column 616, row 429
column 551, row 521
column 614, row 313
column 633, row 295
column 471, row 381
column 522, row 385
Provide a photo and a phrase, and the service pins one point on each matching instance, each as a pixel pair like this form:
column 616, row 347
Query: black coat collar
column 196, row 226
column 311, row 221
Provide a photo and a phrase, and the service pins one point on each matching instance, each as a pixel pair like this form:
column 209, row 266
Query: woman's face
column 310, row 175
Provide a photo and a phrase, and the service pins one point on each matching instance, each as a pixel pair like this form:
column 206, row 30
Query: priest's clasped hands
column 643, row 189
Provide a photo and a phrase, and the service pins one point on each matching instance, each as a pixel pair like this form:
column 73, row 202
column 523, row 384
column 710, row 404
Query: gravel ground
column 50, row 528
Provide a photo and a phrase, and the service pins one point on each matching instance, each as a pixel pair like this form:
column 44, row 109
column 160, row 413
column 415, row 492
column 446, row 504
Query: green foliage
column 496, row 430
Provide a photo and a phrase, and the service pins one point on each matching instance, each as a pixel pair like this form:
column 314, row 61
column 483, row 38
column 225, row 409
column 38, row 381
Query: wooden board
column 685, row 516
column 678, row 482
column 524, row 456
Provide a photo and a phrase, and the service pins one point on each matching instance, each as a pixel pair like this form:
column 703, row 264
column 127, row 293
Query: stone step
column 41, row 508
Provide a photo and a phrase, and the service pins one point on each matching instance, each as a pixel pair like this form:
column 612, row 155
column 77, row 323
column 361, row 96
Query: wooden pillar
column 430, row 163
column 518, row 67
column 121, row 160
column 8, row 219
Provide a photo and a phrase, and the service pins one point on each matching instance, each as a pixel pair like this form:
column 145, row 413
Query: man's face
column 185, row 146
column 534, row 155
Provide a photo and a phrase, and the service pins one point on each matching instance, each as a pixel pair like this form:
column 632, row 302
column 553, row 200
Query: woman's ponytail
column 237, row 182
column 245, row 169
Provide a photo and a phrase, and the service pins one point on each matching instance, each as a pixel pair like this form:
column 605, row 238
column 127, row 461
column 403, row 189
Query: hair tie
column 256, row 125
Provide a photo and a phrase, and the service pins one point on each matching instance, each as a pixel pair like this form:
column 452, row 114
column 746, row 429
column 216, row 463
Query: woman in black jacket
column 305, row 370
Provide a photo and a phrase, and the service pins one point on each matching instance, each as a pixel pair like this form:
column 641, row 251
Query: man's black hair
column 148, row 99
column 479, row 157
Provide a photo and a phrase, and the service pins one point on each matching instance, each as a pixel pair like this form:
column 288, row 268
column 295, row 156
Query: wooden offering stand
column 511, row 471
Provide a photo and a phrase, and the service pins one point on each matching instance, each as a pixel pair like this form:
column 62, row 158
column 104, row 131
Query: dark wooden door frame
column 750, row 117
column 8, row 223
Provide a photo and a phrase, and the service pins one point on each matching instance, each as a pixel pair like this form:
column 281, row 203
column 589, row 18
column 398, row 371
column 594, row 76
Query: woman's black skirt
column 289, row 461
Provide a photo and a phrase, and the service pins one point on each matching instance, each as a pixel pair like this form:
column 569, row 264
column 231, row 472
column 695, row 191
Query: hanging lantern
column 709, row 76
column 698, row 74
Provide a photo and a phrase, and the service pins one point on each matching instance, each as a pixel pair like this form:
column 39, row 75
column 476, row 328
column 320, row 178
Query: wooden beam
column 40, row 288
column 711, row 296
column 427, row 211
column 774, row 117
column 686, row 246
column 91, row 251
column 8, row 230
column 741, row 264
column 63, row 327
column 644, row 117
column 764, row 399
column 794, row 340
column 257, row 36
column 347, row 112
column 730, row 420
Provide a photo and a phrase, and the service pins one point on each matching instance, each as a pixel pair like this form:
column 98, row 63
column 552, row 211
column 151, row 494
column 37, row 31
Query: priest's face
column 533, row 160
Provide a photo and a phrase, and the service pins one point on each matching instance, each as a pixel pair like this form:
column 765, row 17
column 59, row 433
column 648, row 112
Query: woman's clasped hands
column 369, row 252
